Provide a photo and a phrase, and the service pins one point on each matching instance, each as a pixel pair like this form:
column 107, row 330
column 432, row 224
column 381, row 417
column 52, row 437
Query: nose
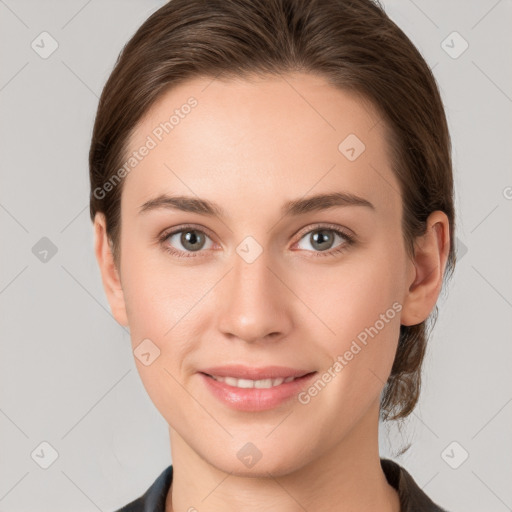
column 254, row 303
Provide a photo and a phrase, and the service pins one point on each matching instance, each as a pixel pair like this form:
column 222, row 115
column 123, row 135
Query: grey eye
column 321, row 239
column 190, row 239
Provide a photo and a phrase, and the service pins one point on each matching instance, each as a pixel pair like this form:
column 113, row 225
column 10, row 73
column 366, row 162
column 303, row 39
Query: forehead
column 260, row 139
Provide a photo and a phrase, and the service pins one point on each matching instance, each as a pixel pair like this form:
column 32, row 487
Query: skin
column 250, row 146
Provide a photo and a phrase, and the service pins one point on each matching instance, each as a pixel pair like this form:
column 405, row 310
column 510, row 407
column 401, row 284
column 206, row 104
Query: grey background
column 67, row 375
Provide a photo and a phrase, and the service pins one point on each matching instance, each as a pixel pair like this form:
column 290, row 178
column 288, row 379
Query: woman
column 272, row 198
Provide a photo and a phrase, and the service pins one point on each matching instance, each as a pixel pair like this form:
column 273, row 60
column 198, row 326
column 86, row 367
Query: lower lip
column 255, row 399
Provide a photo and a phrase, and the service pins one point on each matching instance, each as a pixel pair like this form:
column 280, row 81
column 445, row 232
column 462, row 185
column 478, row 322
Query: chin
column 250, row 462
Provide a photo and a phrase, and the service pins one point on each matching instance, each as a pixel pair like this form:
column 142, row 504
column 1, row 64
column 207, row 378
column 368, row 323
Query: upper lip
column 240, row 371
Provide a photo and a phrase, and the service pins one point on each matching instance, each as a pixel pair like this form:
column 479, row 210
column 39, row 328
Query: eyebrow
column 290, row 208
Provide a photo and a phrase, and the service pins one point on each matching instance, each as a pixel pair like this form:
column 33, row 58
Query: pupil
column 320, row 238
column 190, row 239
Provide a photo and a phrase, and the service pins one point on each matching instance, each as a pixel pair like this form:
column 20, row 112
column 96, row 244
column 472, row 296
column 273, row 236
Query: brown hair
column 352, row 44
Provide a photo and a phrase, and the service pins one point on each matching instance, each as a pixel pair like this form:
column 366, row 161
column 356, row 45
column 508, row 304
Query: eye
column 185, row 240
column 322, row 239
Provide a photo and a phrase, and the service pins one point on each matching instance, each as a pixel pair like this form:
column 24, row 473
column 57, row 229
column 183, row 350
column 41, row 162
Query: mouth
column 252, row 383
column 243, row 372
column 255, row 389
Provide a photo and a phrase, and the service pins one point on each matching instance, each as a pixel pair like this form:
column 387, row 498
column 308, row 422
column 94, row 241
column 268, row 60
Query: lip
column 255, row 399
column 240, row 371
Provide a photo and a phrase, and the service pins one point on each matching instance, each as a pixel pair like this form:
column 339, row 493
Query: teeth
column 249, row 383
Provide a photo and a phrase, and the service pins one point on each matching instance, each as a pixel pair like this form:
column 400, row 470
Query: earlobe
column 431, row 255
column 109, row 273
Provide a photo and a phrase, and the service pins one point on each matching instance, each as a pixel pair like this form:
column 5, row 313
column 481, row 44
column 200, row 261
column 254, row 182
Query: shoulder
column 153, row 500
column 412, row 497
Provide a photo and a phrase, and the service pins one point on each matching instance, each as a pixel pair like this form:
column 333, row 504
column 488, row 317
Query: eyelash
column 350, row 240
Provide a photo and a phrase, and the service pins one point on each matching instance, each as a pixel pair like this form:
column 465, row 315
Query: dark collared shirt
column 412, row 498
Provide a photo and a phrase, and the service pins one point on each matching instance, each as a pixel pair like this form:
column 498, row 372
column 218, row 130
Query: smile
column 252, row 395
column 249, row 383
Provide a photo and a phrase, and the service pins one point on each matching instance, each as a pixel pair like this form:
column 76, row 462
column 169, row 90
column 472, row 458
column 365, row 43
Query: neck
column 347, row 478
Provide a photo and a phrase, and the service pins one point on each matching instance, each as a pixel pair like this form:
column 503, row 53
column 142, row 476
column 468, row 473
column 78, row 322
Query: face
column 270, row 278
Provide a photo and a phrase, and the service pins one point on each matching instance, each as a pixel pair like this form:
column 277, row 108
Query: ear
column 109, row 272
column 427, row 270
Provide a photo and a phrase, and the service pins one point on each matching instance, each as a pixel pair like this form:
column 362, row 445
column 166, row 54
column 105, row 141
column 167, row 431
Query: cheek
column 159, row 325
column 354, row 295
column 157, row 295
column 164, row 304
column 360, row 302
